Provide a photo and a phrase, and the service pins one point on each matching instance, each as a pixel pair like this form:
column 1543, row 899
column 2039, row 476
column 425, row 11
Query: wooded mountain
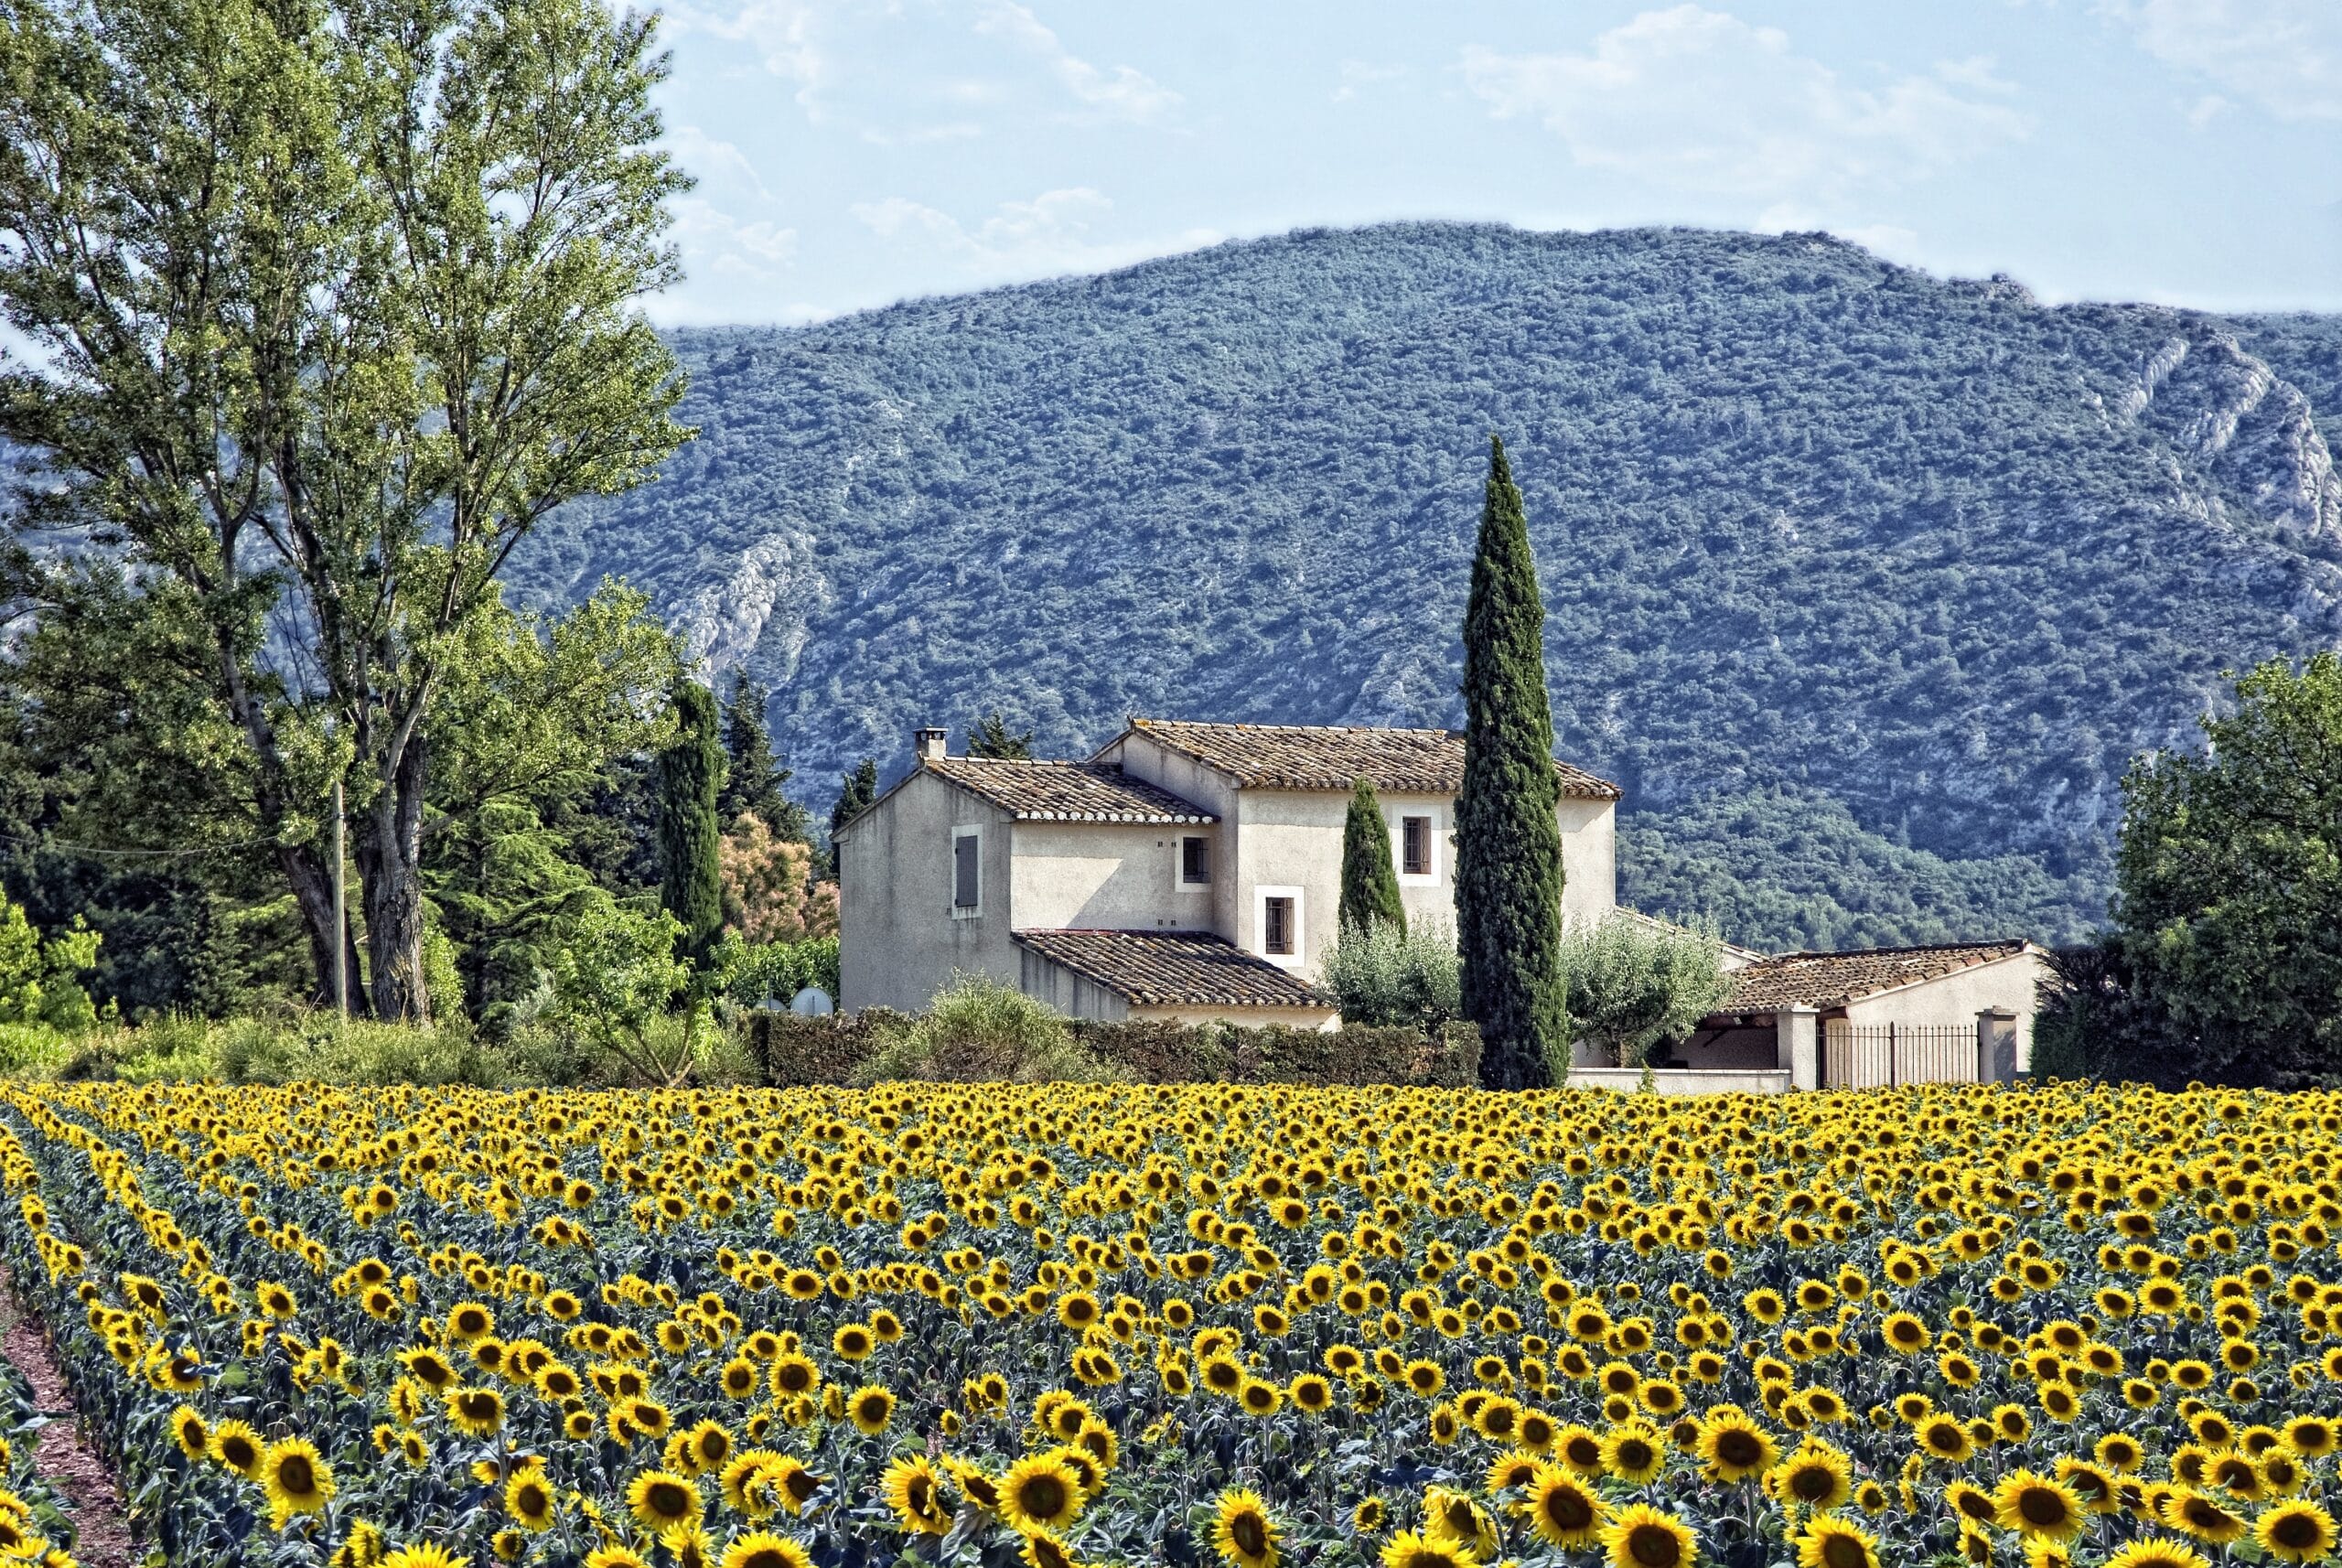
column 1865, row 584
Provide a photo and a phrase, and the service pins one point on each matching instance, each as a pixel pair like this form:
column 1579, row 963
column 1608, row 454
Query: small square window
column 1195, row 862
column 1415, row 845
column 1278, row 936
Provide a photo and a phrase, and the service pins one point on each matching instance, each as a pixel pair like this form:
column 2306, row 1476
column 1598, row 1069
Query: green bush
column 1632, row 984
column 1393, row 976
column 979, row 1031
column 286, row 1047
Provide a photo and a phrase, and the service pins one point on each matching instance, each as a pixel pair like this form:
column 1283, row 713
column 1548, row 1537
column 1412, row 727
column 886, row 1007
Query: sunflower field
column 1192, row 1325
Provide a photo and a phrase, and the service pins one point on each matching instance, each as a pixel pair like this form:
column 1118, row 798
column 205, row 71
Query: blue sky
column 850, row 154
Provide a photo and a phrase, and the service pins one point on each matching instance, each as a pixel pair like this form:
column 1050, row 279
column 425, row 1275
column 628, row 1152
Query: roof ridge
column 1909, row 948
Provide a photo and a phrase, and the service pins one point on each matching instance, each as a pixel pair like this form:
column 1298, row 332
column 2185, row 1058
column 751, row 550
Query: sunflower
column 1369, row 1517
column 1736, row 1447
column 1040, row 1491
column 529, row 1498
column 297, row 1477
column 423, row 1554
column 189, row 1431
column 1944, row 1437
column 2295, row 1531
column 476, row 1411
column 1408, row 1549
column 763, row 1549
column 1828, row 1542
column 2193, row 1513
column 662, row 1501
column 1639, row 1536
column 1044, row 1550
column 1561, row 1509
column 1816, row 1474
column 911, row 1485
column 871, row 1408
column 2036, row 1505
column 1634, row 1452
column 1242, row 1532
column 236, row 1445
column 2158, row 1554
column 1450, row 1515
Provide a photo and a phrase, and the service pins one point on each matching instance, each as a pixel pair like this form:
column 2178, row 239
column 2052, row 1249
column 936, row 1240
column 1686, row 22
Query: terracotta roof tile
column 1833, row 979
column 1172, row 968
column 1311, row 756
column 1065, row 791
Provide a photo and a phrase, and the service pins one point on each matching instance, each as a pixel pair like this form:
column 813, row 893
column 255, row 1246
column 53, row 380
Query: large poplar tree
column 691, row 771
column 330, row 302
column 1508, row 839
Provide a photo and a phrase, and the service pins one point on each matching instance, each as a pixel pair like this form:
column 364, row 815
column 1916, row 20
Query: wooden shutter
column 963, row 871
column 1280, row 923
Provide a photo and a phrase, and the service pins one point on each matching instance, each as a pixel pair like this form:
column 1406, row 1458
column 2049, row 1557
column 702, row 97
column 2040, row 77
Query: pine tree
column 752, row 774
column 1370, row 882
column 691, row 880
column 1507, row 842
column 855, row 792
column 991, row 737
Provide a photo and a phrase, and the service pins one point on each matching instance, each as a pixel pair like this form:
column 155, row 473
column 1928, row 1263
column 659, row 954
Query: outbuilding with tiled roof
column 1163, row 974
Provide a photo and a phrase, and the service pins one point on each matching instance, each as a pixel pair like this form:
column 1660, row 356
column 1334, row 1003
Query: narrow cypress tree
column 1370, row 883
column 1507, row 843
column 690, row 772
column 855, row 791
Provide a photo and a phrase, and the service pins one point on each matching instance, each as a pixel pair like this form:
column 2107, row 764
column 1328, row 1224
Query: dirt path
column 65, row 1458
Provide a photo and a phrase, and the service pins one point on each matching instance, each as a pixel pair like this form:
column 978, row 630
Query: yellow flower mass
column 2074, row 1326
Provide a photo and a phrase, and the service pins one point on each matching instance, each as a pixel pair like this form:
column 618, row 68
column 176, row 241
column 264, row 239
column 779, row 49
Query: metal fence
column 1884, row 1056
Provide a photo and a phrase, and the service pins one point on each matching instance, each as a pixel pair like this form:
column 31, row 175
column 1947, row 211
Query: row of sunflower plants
column 1053, row 1325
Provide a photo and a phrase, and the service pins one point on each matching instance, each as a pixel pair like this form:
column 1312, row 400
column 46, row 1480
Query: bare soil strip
column 65, row 1458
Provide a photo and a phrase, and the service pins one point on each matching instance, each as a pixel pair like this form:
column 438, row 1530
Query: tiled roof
column 1066, row 792
column 1310, row 757
column 1171, row 969
column 1834, row 979
column 1735, row 957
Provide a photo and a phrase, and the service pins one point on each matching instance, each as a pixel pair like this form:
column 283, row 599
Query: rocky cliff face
column 1911, row 566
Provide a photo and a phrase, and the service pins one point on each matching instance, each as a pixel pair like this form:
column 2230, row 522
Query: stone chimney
column 927, row 744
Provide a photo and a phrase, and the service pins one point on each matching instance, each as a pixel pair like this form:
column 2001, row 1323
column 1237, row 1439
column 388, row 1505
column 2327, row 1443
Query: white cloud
column 782, row 32
column 1053, row 233
column 1123, row 91
column 2207, row 109
column 1701, row 100
column 2284, row 54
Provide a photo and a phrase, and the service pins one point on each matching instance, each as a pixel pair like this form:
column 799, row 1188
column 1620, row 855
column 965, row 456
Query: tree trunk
column 389, row 865
column 311, row 880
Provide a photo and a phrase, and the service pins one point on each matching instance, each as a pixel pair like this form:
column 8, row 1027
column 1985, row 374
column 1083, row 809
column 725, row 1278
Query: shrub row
column 787, row 1049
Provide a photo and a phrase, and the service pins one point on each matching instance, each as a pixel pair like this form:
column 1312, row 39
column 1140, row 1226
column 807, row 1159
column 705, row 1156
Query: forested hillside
column 1865, row 584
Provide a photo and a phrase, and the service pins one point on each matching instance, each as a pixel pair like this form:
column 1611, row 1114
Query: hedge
column 790, row 1049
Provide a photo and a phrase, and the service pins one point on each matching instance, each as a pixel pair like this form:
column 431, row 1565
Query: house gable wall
column 1958, row 997
column 900, row 938
column 1108, row 877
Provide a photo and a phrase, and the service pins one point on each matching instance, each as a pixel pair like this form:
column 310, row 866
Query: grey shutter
column 963, row 871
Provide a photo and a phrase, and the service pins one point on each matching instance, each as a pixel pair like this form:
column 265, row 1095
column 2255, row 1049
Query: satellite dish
column 813, row 1003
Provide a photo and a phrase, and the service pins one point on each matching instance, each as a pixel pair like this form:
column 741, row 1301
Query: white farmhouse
column 1187, row 870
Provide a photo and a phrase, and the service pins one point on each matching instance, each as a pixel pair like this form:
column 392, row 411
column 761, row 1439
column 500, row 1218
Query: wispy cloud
column 1122, row 90
column 1056, row 231
column 2283, row 55
column 1357, row 75
column 1699, row 100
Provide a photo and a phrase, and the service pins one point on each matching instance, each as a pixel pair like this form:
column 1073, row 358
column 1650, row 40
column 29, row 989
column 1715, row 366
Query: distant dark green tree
column 991, row 737
column 1508, row 843
column 690, row 882
column 752, row 774
column 2227, row 908
column 1370, row 882
column 857, row 791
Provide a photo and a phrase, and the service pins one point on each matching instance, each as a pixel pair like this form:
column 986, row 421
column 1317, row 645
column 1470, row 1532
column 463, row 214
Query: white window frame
column 1399, row 846
column 1299, row 955
column 1179, row 882
column 951, row 897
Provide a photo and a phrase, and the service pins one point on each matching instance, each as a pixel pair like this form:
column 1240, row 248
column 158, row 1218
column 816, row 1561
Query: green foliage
column 40, row 978
column 286, row 1046
column 690, row 875
column 1631, row 984
column 752, row 776
column 329, row 307
column 1814, row 531
column 991, row 737
column 615, row 996
column 1370, row 883
column 747, row 973
column 1396, row 976
column 979, row 1031
column 2228, row 906
column 856, row 790
column 1507, row 843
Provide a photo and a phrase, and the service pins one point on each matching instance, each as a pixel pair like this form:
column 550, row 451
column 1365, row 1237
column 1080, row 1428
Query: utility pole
column 340, row 916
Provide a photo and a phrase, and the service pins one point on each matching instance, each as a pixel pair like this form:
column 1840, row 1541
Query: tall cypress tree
column 691, row 884
column 855, row 791
column 752, row 775
column 1508, row 843
column 1370, row 882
